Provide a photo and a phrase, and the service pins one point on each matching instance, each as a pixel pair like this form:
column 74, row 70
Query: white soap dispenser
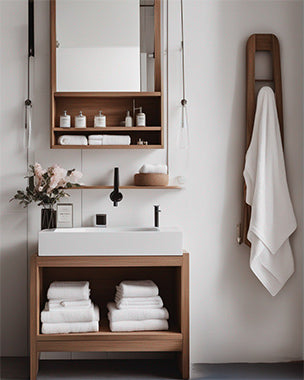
column 128, row 120
column 65, row 120
column 140, row 118
column 100, row 120
column 80, row 121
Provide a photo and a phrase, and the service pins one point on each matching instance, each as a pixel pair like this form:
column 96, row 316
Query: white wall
column 233, row 318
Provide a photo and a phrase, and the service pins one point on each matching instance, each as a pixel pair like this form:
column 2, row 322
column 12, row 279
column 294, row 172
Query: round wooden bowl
column 151, row 179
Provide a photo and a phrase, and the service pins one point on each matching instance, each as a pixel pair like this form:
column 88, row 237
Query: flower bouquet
column 47, row 187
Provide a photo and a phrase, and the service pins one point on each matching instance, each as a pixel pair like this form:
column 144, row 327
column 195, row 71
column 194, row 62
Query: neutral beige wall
column 233, row 318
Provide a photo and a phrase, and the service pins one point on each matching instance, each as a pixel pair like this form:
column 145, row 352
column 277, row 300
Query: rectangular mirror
column 106, row 45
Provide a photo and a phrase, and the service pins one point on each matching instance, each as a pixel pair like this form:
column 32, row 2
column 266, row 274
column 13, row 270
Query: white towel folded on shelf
column 146, row 288
column 109, row 140
column 72, row 140
column 72, row 327
column 69, row 305
column 151, row 168
column 117, row 315
column 69, row 290
column 148, row 324
column 70, row 315
column 272, row 216
column 139, row 302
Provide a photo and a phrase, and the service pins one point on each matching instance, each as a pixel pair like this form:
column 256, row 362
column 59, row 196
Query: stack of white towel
column 69, row 309
column 154, row 168
column 109, row 140
column 137, row 307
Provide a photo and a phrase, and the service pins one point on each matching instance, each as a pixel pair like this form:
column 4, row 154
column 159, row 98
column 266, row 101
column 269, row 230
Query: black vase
column 48, row 218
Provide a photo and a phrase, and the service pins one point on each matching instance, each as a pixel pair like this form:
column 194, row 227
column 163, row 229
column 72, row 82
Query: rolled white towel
column 151, row 168
column 69, row 315
column 72, row 140
column 69, row 290
column 95, row 137
column 72, row 327
column 70, row 305
column 95, row 142
column 139, row 302
column 117, row 315
column 145, row 288
column 109, row 140
column 147, row 325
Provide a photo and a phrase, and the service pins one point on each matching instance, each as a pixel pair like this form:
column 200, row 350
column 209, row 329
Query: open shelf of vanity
column 170, row 273
column 114, row 105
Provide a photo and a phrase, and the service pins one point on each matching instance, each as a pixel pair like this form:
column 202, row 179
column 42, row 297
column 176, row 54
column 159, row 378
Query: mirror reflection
column 105, row 45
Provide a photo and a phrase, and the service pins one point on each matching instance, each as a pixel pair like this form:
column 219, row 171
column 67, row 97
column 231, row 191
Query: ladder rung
column 264, row 80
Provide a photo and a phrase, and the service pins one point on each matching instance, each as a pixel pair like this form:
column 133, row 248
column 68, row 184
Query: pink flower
column 38, row 172
column 74, row 177
column 57, row 175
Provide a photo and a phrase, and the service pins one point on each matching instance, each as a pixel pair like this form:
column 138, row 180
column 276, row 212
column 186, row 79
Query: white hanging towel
column 272, row 216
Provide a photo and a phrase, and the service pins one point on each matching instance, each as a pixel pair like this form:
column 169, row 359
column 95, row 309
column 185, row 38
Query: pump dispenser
column 141, row 118
column 128, row 120
column 100, row 120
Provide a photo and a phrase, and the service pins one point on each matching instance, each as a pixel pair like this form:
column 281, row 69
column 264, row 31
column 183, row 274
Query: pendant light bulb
column 183, row 135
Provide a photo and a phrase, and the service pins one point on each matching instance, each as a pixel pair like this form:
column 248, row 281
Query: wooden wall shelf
column 126, row 187
column 170, row 273
column 115, row 106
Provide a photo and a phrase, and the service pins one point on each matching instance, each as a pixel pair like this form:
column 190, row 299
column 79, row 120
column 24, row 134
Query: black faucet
column 156, row 215
column 116, row 196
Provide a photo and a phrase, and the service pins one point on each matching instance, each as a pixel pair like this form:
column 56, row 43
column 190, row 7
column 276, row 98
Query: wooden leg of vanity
column 34, row 318
column 34, row 364
column 183, row 357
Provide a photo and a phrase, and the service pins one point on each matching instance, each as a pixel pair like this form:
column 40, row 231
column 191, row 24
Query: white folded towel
column 139, row 302
column 117, row 315
column 72, row 327
column 70, row 305
column 150, row 168
column 145, row 288
column 147, row 325
column 272, row 216
column 70, row 315
column 69, row 290
column 72, row 140
column 109, row 140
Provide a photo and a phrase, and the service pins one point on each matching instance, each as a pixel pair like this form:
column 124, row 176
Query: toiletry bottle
column 128, row 120
column 100, row 120
column 140, row 118
column 80, row 120
column 65, row 120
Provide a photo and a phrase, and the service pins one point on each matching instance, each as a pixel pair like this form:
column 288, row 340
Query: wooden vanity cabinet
column 170, row 273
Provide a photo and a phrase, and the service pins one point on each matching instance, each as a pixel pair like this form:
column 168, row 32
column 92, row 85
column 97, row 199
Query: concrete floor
column 17, row 369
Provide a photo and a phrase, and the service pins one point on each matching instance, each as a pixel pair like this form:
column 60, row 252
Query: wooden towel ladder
column 268, row 43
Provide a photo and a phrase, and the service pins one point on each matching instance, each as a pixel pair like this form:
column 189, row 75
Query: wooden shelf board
column 104, row 333
column 107, row 147
column 125, row 187
column 106, row 94
column 107, row 129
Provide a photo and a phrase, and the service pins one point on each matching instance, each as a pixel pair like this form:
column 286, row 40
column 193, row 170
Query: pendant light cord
column 183, row 101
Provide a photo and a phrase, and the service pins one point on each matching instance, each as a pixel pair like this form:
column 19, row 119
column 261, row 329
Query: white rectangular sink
column 120, row 241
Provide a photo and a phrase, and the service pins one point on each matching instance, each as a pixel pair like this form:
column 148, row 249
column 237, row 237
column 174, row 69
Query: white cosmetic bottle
column 140, row 118
column 65, row 120
column 100, row 120
column 128, row 120
column 80, row 121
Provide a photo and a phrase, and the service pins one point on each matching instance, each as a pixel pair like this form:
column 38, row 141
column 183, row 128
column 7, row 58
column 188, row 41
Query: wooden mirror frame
column 114, row 102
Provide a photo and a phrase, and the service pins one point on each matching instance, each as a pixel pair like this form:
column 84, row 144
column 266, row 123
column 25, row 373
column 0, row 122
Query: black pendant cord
column 183, row 101
column 28, row 106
